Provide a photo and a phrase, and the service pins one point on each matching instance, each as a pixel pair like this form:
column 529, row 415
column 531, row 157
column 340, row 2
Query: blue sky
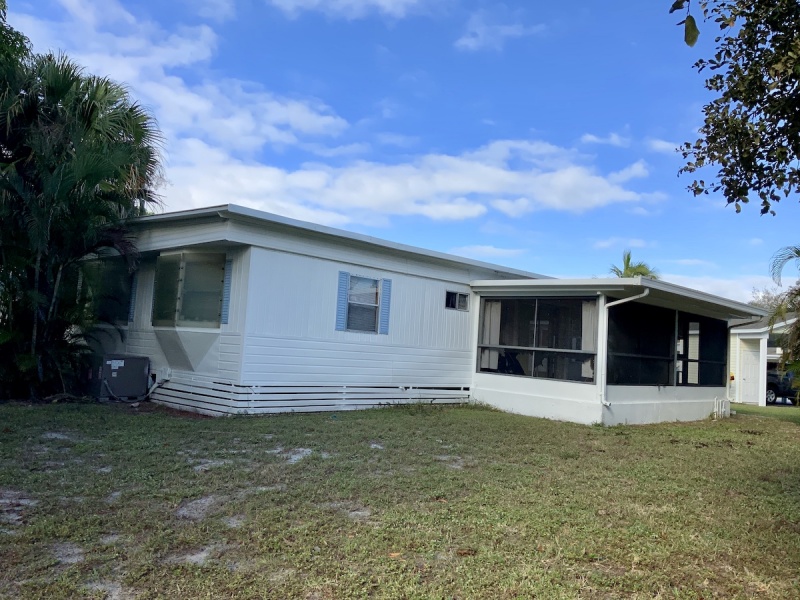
column 538, row 135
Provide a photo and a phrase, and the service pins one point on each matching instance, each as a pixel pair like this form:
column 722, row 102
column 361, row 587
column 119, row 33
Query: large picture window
column 188, row 290
column 551, row 338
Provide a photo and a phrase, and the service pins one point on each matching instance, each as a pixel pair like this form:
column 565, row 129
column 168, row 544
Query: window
column 363, row 304
column 189, row 290
column 550, row 338
column 456, row 301
column 108, row 285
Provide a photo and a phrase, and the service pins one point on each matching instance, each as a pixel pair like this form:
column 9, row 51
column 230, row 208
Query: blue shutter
column 386, row 301
column 132, row 304
column 226, row 292
column 341, row 301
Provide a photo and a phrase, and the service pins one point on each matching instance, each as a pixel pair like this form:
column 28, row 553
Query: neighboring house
column 246, row 312
column 755, row 350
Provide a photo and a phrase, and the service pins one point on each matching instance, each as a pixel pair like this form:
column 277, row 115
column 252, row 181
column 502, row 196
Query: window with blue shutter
column 362, row 304
column 226, row 291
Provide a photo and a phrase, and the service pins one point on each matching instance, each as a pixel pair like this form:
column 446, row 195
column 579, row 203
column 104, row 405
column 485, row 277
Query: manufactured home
column 244, row 312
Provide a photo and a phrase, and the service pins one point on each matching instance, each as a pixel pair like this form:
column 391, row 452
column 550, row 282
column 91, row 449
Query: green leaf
column 677, row 5
column 690, row 31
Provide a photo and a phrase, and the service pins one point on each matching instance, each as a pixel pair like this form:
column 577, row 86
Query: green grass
column 784, row 413
column 394, row 503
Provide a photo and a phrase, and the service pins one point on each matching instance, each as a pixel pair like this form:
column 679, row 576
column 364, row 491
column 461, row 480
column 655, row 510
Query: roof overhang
column 660, row 293
column 232, row 213
column 778, row 327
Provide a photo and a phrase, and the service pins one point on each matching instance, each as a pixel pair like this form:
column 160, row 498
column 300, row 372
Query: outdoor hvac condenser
column 124, row 376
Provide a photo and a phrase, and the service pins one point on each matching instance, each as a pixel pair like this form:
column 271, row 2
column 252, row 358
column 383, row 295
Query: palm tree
column 77, row 158
column 633, row 269
column 789, row 303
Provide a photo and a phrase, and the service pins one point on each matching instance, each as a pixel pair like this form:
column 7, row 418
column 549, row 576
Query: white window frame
column 376, row 306
column 458, row 296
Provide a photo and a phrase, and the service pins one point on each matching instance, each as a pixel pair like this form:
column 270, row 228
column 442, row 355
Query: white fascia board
column 241, row 213
column 778, row 327
column 659, row 290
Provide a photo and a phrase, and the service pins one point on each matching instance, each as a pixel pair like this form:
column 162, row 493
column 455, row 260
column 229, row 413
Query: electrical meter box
column 124, row 376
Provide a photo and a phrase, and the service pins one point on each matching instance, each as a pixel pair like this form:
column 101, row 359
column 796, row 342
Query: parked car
column 780, row 384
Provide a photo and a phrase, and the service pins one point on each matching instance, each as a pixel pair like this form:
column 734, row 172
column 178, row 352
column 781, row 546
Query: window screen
column 552, row 338
column 641, row 344
column 188, row 290
column 165, row 292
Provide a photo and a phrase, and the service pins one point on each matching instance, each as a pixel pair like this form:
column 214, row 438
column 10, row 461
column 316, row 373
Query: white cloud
column 482, row 33
column 661, row 146
column 397, row 139
column 482, row 252
column 235, row 114
column 612, row 139
column 219, row 130
column 737, row 288
column 619, row 242
column 637, row 170
column 352, row 9
column 692, row 262
column 217, row 10
column 755, row 241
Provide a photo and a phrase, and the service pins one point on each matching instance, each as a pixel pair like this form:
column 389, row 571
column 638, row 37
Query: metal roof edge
column 618, row 284
column 242, row 213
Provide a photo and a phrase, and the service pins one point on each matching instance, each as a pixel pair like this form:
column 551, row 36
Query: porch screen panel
column 641, row 345
column 552, row 338
column 702, row 350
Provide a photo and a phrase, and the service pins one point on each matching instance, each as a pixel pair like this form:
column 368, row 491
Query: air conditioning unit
column 123, row 376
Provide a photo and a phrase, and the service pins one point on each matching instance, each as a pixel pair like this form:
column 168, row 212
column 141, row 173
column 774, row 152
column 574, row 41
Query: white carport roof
column 661, row 293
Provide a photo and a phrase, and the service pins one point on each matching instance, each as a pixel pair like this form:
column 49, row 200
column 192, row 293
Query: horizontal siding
column 208, row 395
column 293, row 296
column 230, row 356
column 279, row 361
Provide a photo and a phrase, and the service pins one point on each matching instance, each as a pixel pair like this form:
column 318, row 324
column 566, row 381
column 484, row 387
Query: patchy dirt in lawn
column 454, row 462
column 234, row 522
column 112, row 590
column 13, row 506
column 297, row 454
column 195, row 510
column 352, row 510
column 200, row 557
column 204, row 465
column 57, row 435
column 67, row 553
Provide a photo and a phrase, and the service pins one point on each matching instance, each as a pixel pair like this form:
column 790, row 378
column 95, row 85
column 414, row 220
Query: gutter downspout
column 603, row 373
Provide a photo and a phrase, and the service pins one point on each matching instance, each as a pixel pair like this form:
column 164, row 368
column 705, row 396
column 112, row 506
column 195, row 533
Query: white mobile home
column 244, row 312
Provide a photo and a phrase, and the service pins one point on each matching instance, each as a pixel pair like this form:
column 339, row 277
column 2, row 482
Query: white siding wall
column 549, row 399
column 291, row 337
column 652, row 404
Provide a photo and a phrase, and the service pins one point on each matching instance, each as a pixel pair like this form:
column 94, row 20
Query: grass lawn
column 113, row 502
